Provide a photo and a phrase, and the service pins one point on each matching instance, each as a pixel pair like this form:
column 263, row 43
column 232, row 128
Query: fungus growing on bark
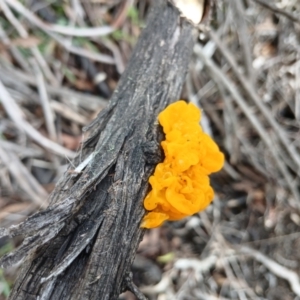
column 180, row 184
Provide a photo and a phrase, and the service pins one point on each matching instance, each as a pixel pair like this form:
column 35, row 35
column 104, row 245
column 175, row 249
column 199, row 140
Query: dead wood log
column 83, row 244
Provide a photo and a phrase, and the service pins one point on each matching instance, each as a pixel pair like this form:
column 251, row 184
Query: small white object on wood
column 193, row 10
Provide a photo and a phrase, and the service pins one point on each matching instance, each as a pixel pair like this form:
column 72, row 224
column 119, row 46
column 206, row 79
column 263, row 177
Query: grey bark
column 83, row 244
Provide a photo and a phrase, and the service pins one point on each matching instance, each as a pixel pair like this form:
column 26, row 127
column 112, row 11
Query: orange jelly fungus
column 180, row 184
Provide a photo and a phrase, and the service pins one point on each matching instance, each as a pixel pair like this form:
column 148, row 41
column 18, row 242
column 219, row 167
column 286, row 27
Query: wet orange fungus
column 180, row 184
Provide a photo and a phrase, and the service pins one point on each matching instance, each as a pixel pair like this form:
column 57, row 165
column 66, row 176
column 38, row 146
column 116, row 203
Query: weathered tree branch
column 83, row 244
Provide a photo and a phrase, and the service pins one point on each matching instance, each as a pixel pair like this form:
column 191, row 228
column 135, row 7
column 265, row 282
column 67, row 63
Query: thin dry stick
column 48, row 113
column 220, row 76
column 41, row 25
column 278, row 10
column 82, row 32
column 256, row 99
column 280, row 271
column 24, row 178
column 160, row 287
column 15, row 113
column 297, row 92
column 200, row 266
column 200, row 295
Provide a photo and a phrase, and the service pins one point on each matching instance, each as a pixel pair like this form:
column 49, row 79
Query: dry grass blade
column 21, row 151
column 24, row 34
column 244, row 37
column 256, row 99
column 37, row 22
column 297, row 94
column 82, row 32
column 24, row 178
column 200, row 266
column 221, row 77
column 68, row 113
column 86, row 101
column 280, row 271
column 16, row 115
column 48, row 113
column 14, row 51
column 278, row 10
